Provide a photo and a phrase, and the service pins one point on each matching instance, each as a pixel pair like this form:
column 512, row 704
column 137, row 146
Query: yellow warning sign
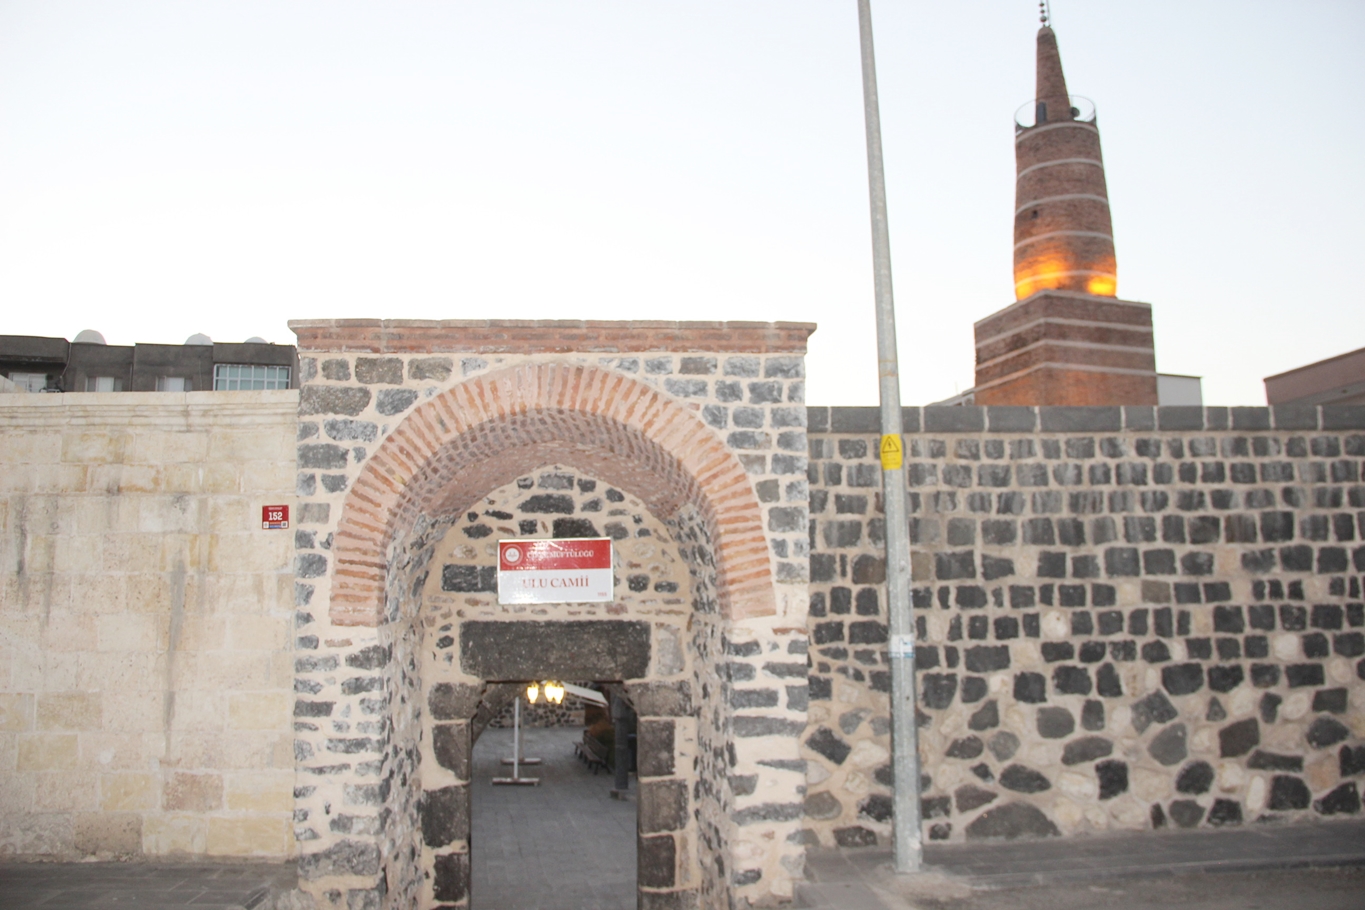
column 891, row 453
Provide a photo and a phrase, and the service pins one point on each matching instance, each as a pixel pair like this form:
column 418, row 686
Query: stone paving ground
column 568, row 844
column 144, row 886
column 1319, row 867
column 564, row 845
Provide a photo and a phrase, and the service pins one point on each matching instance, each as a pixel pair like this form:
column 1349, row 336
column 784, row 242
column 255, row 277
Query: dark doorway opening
column 565, row 844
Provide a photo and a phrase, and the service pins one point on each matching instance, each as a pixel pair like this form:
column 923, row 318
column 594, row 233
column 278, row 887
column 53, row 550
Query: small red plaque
column 274, row 517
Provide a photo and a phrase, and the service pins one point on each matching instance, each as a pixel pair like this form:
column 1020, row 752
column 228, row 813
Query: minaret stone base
column 1066, row 348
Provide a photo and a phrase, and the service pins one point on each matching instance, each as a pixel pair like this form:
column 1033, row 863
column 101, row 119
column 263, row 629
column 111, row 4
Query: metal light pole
column 904, row 735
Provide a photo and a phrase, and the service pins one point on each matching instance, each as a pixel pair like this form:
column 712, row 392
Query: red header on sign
column 554, row 555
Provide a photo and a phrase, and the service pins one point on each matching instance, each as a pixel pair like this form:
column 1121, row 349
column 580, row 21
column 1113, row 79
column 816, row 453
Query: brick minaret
column 1068, row 340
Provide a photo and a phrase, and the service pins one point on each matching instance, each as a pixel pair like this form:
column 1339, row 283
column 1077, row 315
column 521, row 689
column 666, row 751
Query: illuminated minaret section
column 1068, row 340
column 1063, row 239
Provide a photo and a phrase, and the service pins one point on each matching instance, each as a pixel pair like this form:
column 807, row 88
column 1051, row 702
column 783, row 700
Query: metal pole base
column 516, row 761
column 621, row 794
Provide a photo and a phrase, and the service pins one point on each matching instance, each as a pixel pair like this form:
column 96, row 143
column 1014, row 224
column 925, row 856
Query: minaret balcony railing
column 1036, row 113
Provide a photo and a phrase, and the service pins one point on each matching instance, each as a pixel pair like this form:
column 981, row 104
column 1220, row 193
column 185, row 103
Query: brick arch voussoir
column 555, row 406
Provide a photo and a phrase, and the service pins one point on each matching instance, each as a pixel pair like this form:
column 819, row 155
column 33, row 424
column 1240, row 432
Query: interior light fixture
column 553, row 692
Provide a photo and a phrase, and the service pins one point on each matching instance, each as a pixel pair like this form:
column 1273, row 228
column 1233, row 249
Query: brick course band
column 548, row 336
column 488, row 430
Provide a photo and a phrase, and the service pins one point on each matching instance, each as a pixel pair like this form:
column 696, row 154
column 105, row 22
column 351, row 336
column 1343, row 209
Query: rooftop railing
column 1035, row 113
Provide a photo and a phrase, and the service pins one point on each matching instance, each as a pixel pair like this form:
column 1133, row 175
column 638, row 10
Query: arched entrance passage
column 426, row 474
column 564, row 844
column 483, row 433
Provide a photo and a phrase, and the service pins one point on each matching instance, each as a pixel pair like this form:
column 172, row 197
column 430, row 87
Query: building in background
column 1175, row 389
column 87, row 364
column 1336, row 380
column 1068, row 340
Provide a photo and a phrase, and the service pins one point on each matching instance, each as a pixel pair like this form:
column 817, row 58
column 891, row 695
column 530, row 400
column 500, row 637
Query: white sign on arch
column 571, row 570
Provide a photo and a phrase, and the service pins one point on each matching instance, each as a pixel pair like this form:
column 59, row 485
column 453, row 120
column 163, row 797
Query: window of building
column 173, row 384
column 231, row 377
column 103, row 384
column 29, row 382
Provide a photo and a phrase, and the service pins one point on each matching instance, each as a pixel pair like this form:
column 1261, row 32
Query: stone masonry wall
column 712, row 443
column 145, row 617
column 1127, row 618
column 567, row 714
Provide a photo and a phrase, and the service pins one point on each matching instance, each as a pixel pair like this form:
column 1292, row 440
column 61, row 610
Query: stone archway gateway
column 407, row 432
column 484, row 432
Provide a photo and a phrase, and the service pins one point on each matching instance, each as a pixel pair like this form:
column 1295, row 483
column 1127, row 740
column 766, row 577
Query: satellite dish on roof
column 199, row 338
column 89, row 336
column 256, row 339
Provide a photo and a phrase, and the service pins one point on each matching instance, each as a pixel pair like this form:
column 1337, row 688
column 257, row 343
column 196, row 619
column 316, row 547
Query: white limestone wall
column 145, row 647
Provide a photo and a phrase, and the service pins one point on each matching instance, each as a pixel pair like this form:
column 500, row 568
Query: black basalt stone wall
column 1126, row 618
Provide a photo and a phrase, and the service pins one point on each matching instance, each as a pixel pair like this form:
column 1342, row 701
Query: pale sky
column 169, row 168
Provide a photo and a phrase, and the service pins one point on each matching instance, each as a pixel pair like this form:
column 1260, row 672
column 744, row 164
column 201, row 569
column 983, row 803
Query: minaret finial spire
column 1044, row 12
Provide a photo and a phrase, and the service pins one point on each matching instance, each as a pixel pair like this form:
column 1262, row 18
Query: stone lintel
column 583, row 649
